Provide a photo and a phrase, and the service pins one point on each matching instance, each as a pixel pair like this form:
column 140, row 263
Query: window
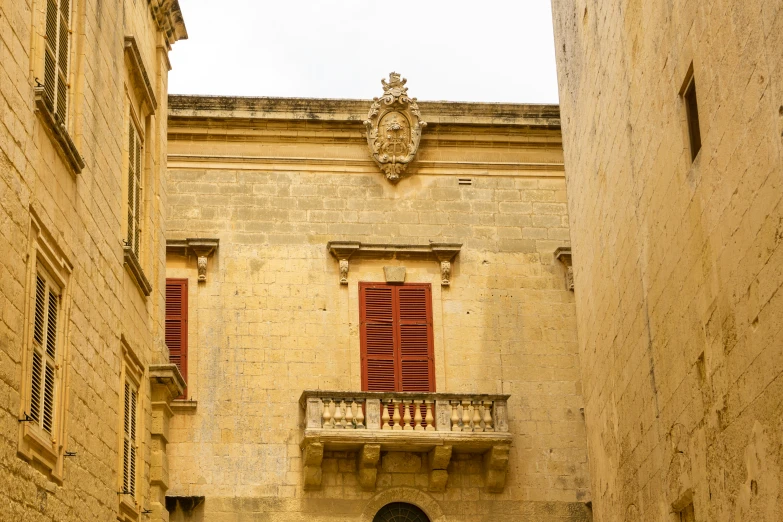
column 396, row 337
column 129, row 446
column 43, row 375
column 56, row 55
column 177, row 324
column 44, row 369
column 400, row 512
column 134, row 189
column 692, row 114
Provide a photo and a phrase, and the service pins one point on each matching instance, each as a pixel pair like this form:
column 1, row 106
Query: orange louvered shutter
column 415, row 338
column 396, row 337
column 377, row 337
column 177, row 323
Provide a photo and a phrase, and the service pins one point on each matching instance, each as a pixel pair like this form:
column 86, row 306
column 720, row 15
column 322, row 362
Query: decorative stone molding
column 444, row 253
column 202, row 248
column 394, row 128
column 394, row 274
column 56, row 128
column 140, row 73
column 168, row 17
column 563, row 254
column 166, row 383
column 361, row 422
column 409, row 495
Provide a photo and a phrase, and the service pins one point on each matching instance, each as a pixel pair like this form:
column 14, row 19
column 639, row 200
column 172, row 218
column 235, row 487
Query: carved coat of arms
column 394, row 128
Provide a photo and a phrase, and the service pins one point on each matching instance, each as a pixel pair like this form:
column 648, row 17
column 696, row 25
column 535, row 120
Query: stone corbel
column 439, row 459
column 166, row 383
column 367, row 465
column 202, row 248
column 495, row 467
column 343, row 251
column 445, row 254
column 563, row 254
column 312, row 457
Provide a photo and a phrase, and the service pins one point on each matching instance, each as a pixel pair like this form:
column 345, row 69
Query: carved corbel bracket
column 495, row 467
column 445, row 254
column 312, row 457
column 563, row 254
column 439, row 459
column 342, row 251
column 202, row 248
column 367, row 465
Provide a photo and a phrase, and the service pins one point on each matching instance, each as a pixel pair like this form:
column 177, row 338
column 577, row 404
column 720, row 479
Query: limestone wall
column 275, row 180
column 80, row 216
column 677, row 263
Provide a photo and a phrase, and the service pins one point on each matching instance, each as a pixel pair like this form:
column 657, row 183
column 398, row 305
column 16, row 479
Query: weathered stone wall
column 274, row 180
column 678, row 264
column 83, row 216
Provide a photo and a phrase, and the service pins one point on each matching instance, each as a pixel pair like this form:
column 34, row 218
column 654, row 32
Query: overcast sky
column 457, row 50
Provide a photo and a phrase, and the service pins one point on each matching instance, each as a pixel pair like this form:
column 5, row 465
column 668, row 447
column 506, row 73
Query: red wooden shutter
column 396, row 337
column 376, row 305
column 177, row 323
column 415, row 338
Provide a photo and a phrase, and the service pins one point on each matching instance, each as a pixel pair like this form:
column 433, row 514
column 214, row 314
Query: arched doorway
column 400, row 512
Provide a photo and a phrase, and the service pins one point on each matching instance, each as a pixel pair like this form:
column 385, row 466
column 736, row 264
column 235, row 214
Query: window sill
column 61, row 138
column 129, row 509
column 132, row 262
column 37, row 447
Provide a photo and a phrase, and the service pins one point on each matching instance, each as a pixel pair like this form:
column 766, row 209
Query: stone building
column 357, row 334
column 672, row 116
column 84, row 370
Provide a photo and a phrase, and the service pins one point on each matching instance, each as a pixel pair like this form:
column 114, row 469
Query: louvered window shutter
column 56, row 56
column 129, row 440
column 415, row 338
column 396, row 337
column 134, row 188
column 44, row 365
column 177, row 323
column 377, row 337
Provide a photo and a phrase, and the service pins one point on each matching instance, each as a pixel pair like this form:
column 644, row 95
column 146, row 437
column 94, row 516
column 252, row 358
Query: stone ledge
column 182, row 406
column 132, row 262
column 62, row 140
column 409, row 441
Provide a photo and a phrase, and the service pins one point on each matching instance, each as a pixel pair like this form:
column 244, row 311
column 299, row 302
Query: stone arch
column 402, row 494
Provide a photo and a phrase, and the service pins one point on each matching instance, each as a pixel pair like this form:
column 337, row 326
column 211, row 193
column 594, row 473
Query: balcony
column 438, row 424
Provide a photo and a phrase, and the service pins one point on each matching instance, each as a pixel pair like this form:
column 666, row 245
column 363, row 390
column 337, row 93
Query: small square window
column 692, row 114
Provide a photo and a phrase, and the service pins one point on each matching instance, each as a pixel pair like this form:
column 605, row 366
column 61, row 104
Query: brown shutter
column 415, row 338
column 177, row 323
column 396, row 337
column 376, row 309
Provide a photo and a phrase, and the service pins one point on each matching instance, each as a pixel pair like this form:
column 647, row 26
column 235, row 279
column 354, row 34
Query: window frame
column 132, row 373
column 45, row 449
column 692, row 122
column 396, row 325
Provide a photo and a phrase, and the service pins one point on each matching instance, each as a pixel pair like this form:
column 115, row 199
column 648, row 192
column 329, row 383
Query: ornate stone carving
column 445, row 273
column 394, row 128
column 564, row 255
column 202, row 268
column 344, row 271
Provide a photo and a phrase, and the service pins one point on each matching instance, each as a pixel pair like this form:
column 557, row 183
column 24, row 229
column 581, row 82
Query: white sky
column 457, row 50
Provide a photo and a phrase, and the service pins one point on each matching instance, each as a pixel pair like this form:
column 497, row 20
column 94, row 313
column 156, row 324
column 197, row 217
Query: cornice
column 350, row 110
column 168, row 17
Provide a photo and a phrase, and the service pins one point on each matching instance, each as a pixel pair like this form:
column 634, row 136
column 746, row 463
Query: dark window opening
column 400, row 512
column 692, row 113
column 687, row 514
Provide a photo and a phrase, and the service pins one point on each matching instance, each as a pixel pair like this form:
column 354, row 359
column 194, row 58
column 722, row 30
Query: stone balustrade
column 436, row 423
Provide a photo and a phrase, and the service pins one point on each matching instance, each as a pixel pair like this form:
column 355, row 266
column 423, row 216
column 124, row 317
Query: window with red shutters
column 177, row 324
column 396, row 337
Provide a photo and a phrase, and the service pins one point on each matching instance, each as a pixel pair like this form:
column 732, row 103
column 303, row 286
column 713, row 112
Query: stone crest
column 394, row 128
